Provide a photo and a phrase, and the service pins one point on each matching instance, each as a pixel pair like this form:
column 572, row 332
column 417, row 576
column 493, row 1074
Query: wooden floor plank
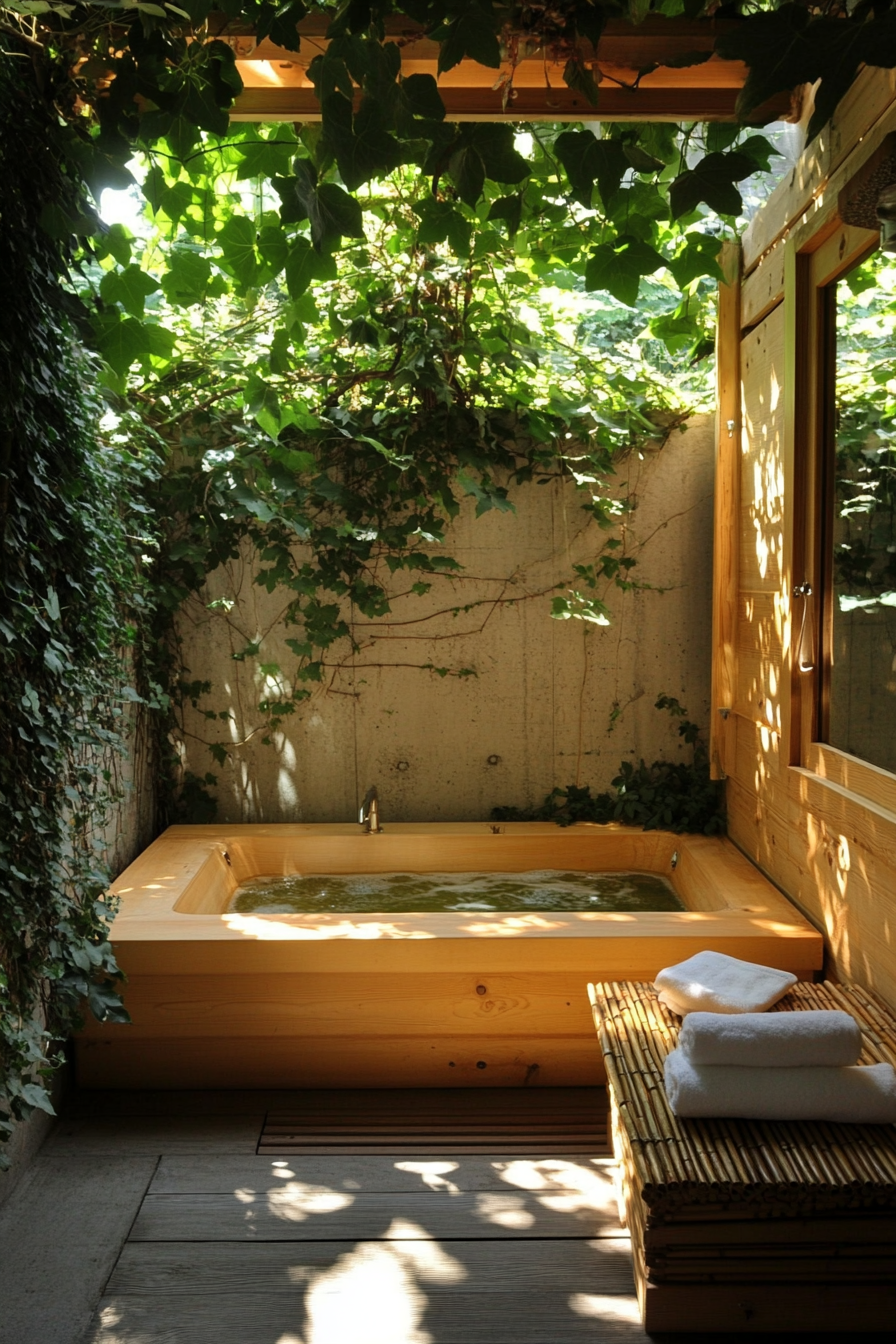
column 165, row 1269
column 199, row 1174
column 384, row 1305
column 302, row 1212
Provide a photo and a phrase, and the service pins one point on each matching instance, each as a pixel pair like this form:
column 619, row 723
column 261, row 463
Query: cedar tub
column 222, row 1000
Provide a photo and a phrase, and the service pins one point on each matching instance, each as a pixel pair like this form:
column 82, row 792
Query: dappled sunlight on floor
column 371, row 1294
column 564, row 1186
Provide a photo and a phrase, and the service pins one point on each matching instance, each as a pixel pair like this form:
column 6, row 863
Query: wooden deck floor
column 153, row 1219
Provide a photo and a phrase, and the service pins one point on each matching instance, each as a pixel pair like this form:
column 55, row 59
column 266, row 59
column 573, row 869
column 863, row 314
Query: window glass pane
column 862, row 678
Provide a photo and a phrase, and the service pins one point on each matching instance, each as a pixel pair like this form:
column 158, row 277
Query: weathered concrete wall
column 537, row 712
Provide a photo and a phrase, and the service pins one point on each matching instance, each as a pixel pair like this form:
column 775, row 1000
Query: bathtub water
column 544, row 889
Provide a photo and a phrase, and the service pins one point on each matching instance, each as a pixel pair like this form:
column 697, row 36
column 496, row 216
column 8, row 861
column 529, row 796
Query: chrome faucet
column 369, row 816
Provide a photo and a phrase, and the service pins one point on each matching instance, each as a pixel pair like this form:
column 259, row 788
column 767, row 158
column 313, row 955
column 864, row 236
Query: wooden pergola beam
column 630, row 65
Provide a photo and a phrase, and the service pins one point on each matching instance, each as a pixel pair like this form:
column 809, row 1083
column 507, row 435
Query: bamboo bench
column 745, row 1225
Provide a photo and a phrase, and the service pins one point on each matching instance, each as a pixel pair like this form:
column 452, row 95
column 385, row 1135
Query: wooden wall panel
column 763, row 288
column 759, row 659
column 762, row 470
column 826, row 833
column 726, row 514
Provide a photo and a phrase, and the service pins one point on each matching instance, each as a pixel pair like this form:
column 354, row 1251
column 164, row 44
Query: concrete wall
column 536, row 713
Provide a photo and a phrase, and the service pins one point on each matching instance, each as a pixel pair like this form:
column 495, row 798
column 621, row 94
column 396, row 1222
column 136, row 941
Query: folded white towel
column 820, row 1037
column 711, row 982
column 859, row 1095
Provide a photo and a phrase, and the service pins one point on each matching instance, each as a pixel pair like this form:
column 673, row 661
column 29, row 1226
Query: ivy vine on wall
column 71, row 583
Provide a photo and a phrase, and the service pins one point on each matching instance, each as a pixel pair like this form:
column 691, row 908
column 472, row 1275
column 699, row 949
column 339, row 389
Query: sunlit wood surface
column 229, row 1247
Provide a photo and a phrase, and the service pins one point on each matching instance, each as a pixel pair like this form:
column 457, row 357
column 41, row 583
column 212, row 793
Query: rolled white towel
column 712, row 982
column 820, row 1037
column 858, row 1095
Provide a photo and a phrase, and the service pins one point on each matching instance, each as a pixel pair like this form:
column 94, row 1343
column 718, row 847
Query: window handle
column 805, row 649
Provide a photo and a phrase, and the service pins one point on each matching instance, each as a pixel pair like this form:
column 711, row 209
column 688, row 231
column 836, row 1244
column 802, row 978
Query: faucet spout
column 369, row 815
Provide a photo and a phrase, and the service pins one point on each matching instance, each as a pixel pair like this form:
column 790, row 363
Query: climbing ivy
column 70, row 591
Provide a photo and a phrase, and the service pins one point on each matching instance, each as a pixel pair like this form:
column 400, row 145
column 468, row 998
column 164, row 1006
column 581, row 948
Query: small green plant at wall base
column 667, row 795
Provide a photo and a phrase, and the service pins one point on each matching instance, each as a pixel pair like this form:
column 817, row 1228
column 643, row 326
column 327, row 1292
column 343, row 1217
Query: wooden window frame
column 815, row 259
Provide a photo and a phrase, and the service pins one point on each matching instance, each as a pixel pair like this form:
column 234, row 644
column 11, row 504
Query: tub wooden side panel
column 364, row 1005
column 311, row 1061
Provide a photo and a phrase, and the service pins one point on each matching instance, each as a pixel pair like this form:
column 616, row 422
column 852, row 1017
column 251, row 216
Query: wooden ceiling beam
column 478, row 104
column 634, row 83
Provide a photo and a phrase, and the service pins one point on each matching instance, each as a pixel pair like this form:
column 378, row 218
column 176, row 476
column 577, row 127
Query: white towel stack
column 736, row 1061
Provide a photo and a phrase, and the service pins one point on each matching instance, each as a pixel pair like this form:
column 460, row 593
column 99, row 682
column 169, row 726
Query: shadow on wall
column 472, row 695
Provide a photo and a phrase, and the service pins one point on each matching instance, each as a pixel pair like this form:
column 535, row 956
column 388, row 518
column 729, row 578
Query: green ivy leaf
column 187, row 278
column 360, row 143
column 778, row 51
column 494, row 142
column 334, row 214
column 467, row 172
column 587, row 160
column 678, row 330
column 302, row 266
column 618, row 268
column 279, row 22
column 510, row 210
column 237, row 243
column 577, row 76
column 640, row 160
column 121, row 341
column 471, row 33
column 130, row 287
column 698, row 257
column 273, row 247
column 720, row 135
column 266, row 158
column 711, row 181
column 117, row 243
column 421, row 97
column 760, row 150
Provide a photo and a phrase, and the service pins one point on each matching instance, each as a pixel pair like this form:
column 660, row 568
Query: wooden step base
column 758, row 1308
column 421, row 1121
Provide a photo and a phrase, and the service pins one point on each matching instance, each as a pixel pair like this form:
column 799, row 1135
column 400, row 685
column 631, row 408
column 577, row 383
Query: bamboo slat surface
column 738, row 1169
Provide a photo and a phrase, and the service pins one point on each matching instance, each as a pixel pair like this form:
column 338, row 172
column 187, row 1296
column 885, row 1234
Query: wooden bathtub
column 392, row 1000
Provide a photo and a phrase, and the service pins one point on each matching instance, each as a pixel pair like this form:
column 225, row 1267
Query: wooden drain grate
column 425, row 1121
